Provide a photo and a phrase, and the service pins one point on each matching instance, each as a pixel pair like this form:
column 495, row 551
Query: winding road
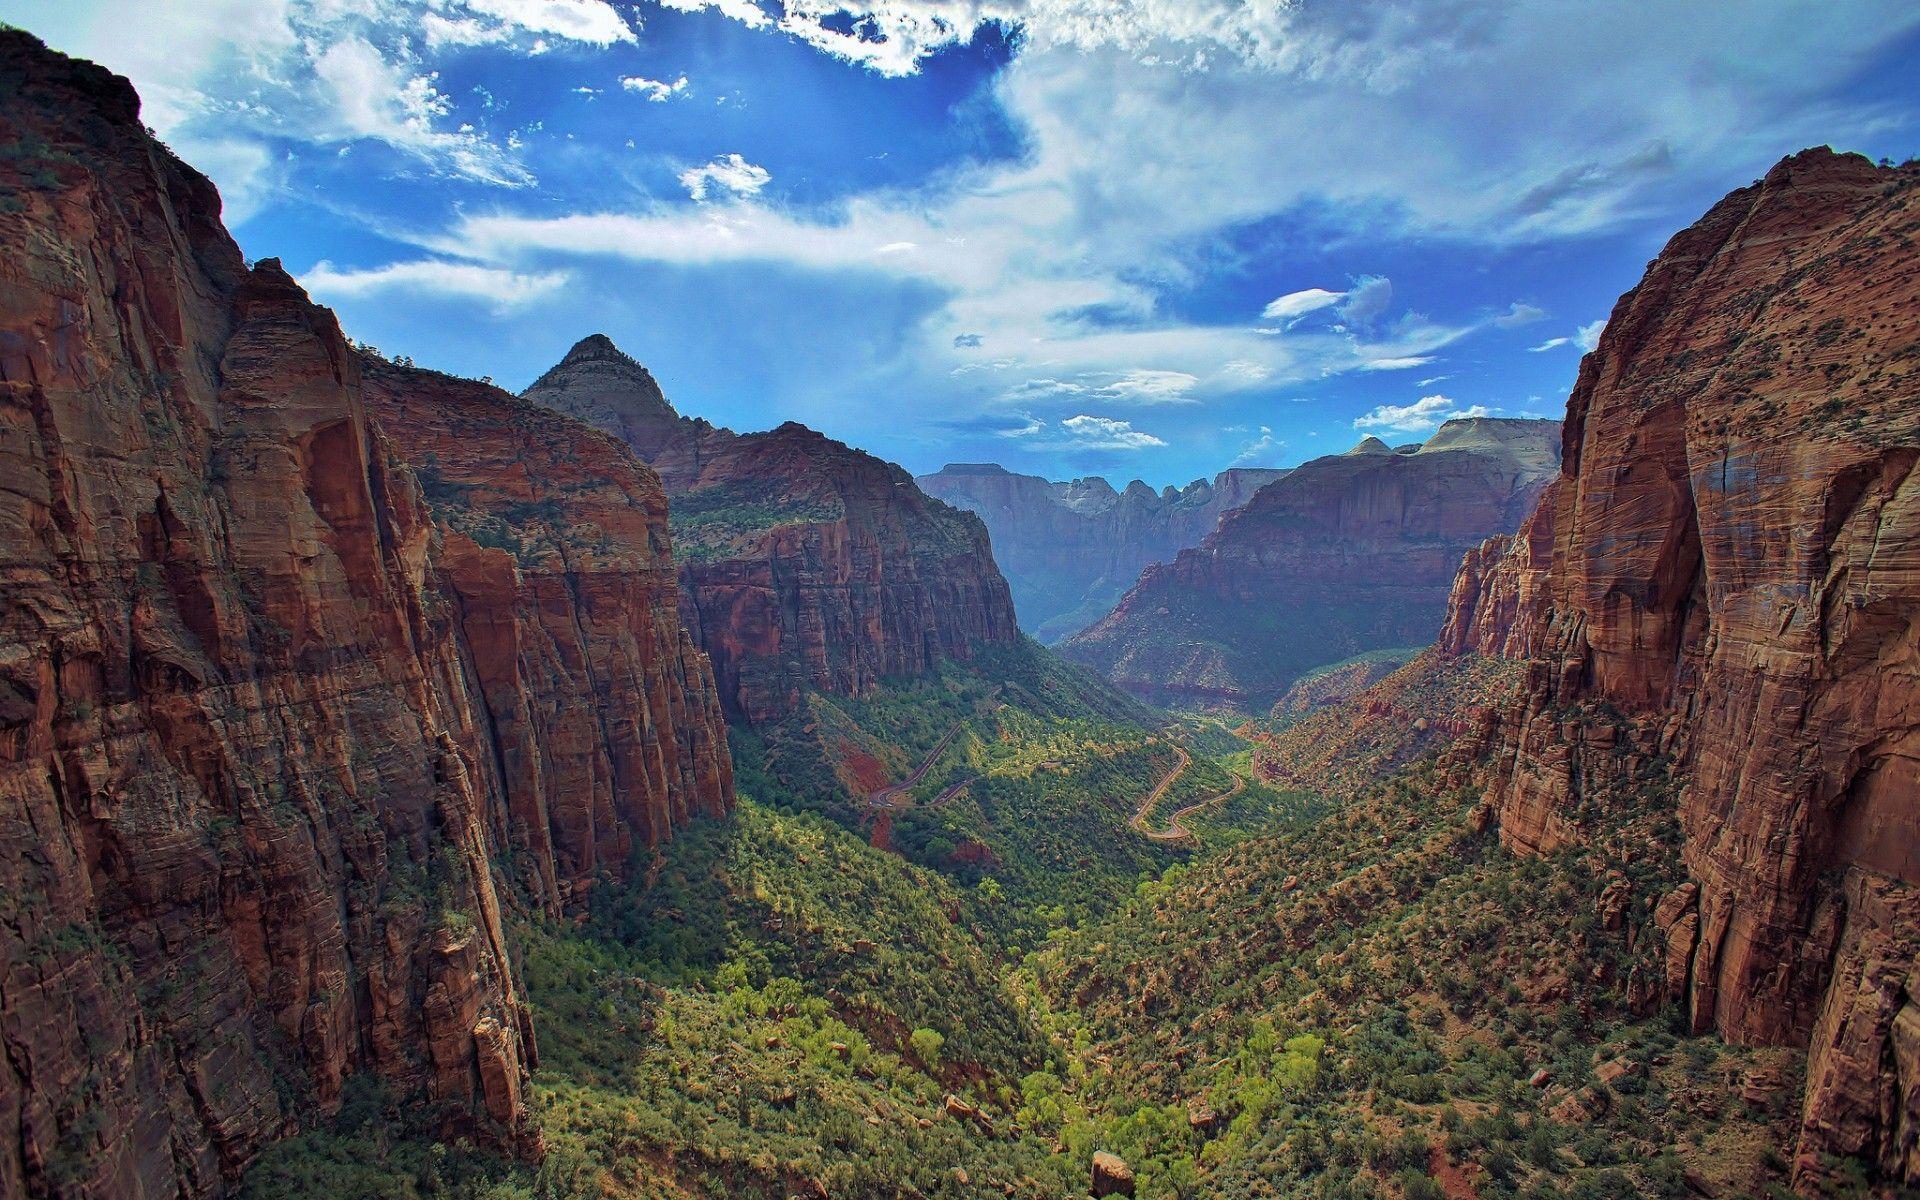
column 1176, row 829
column 884, row 797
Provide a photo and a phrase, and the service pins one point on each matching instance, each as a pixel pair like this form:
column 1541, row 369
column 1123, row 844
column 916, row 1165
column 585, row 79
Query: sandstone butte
column 295, row 693
column 1346, row 554
column 1071, row 550
column 804, row 563
column 1725, row 577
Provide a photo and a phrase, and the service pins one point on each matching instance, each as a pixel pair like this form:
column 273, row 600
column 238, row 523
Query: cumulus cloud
column 1520, row 314
column 730, row 172
column 1085, row 432
column 1428, row 412
column 657, row 90
column 1367, row 300
column 501, row 288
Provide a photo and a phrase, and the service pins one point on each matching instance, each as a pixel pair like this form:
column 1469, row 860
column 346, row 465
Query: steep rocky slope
column 280, row 735
column 804, row 563
column 1726, row 576
column 1071, row 550
column 1347, row 554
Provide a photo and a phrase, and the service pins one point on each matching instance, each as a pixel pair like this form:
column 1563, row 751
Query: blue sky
column 1073, row 236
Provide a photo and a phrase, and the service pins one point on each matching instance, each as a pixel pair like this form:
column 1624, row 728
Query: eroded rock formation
column 1347, row 554
column 1071, row 550
column 271, row 716
column 1728, row 571
column 804, row 563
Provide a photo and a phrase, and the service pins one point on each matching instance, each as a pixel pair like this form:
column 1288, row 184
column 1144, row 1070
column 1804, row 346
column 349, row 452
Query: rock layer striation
column 283, row 732
column 1726, row 576
column 1347, row 554
column 804, row 563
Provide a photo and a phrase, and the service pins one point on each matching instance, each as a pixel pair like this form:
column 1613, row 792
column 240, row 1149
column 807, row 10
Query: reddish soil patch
column 862, row 771
column 1455, row 1179
column 881, row 836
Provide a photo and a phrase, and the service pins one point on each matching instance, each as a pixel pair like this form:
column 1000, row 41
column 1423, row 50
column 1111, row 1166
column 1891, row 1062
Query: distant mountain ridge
column 1071, row 549
column 1349, row 553
column 804, row 563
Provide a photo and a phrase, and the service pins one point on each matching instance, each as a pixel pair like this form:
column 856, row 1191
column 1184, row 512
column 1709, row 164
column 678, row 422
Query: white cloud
column 502, row 289
column 1399, row 363
column 593, row 22
column 1585, row 338
column 1261, row 450
column 1520, row 314
column 1367, row 300
column 729, row 171
column 1152, row 387
column 1298, row 304
column 656, row 90
column 1085, row 432
column 374, row 96
column 1424, row 414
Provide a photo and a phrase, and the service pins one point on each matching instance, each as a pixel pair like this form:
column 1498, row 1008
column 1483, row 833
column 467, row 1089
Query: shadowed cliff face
column 1347, row 554
column 804, row 563
column 273, row 721
column 1731, row 559
column 1071, row 550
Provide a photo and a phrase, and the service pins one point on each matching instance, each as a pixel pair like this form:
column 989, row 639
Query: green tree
column 926, row 1045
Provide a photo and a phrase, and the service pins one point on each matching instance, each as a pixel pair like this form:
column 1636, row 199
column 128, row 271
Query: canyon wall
column 274, row 718
column 1726, row 577
column 1347, row 554
column 1071, row 550
column 804, row 563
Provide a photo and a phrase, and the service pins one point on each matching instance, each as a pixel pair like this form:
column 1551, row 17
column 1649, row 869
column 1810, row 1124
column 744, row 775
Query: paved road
column 884, row 797
column 1176, row 829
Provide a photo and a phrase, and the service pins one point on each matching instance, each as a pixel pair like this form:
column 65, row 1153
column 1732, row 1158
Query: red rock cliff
column 268, row 718
column 804, row 563
column 1731, row 559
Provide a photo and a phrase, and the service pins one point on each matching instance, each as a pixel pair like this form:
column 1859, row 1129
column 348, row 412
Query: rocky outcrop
column 1071, row 550
column 1348, row 554
column 804, row 563
column 261, row 765
column 1728, row 570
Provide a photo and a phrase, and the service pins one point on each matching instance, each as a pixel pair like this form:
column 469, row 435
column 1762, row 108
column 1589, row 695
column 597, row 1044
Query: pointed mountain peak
column 594, row 345
column 608, row 389
column 1371, row 445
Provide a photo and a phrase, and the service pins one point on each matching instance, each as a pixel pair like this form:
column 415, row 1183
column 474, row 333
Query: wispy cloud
column 502, row 288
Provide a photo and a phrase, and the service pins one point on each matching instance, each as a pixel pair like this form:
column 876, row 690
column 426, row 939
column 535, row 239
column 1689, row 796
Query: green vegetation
column 713, row 522
column 1348, row 992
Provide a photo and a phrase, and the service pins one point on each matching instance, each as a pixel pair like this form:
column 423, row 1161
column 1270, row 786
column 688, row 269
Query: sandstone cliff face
column 1347, row 554
column 803, row 563
column 1731, row 562
column 1071, row 550
column 257, row 776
